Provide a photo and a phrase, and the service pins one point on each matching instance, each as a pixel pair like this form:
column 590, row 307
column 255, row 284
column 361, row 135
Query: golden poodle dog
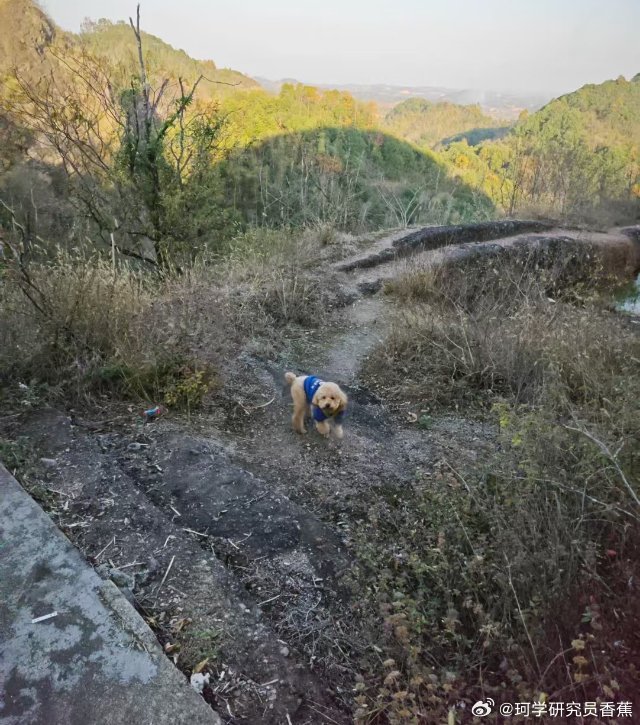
column 321, row 401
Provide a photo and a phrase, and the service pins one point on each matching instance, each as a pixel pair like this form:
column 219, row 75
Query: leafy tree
column 129, row 152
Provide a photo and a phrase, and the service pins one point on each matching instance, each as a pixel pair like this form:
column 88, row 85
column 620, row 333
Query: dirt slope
column 243, row 527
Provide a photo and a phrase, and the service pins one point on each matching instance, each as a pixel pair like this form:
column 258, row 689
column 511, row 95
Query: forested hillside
column 227, row 155
column 578, row 157
column 26, row 38
column 609, row 112
column 116, row 42
column 347, row 177
column 429, row 124
column 581, row 149
column 25, row 35
column 169, row 159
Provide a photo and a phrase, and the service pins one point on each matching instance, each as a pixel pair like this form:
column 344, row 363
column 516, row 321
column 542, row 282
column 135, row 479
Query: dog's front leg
column 323, row 427
column 339, row 433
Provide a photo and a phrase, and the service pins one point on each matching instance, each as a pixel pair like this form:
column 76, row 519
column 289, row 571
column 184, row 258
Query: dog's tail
column 290, row 377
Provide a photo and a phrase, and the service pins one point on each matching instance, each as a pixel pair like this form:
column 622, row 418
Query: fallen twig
column 247, row 409
column 166, row 541
column 226, row 702
column 266, row 601
column 263, row 405
column 324, row 715
column 166, row 574
column 13, row 415
column 97, row 556
column 239, row 540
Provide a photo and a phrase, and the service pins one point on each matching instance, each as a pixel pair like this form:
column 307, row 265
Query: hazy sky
column 521, row 45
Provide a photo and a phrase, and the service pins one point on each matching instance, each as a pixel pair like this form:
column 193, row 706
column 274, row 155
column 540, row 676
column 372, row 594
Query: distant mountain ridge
column 27, row 33
column 578, row 152
column 499, row 105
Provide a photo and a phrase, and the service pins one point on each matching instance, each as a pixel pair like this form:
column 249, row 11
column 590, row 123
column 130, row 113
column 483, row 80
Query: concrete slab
column 96, row 662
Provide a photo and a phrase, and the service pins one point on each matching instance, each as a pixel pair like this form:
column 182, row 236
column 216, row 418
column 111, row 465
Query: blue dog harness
column 311, row 385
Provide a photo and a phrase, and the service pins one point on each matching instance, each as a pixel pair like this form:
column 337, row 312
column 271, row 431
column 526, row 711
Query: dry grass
column 454, row 358
column 515, row 578
column 172, row 338
column 83, row 312
column 560, row 269
column 517, row 328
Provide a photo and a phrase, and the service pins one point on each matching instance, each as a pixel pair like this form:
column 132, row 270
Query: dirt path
column 233, row 534
column 243, row 529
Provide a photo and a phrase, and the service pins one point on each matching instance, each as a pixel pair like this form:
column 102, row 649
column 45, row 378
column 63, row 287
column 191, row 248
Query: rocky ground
column 232, row 534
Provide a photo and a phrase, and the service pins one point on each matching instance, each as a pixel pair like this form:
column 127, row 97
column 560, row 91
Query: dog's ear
column 343, row 401
column 316, row 396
